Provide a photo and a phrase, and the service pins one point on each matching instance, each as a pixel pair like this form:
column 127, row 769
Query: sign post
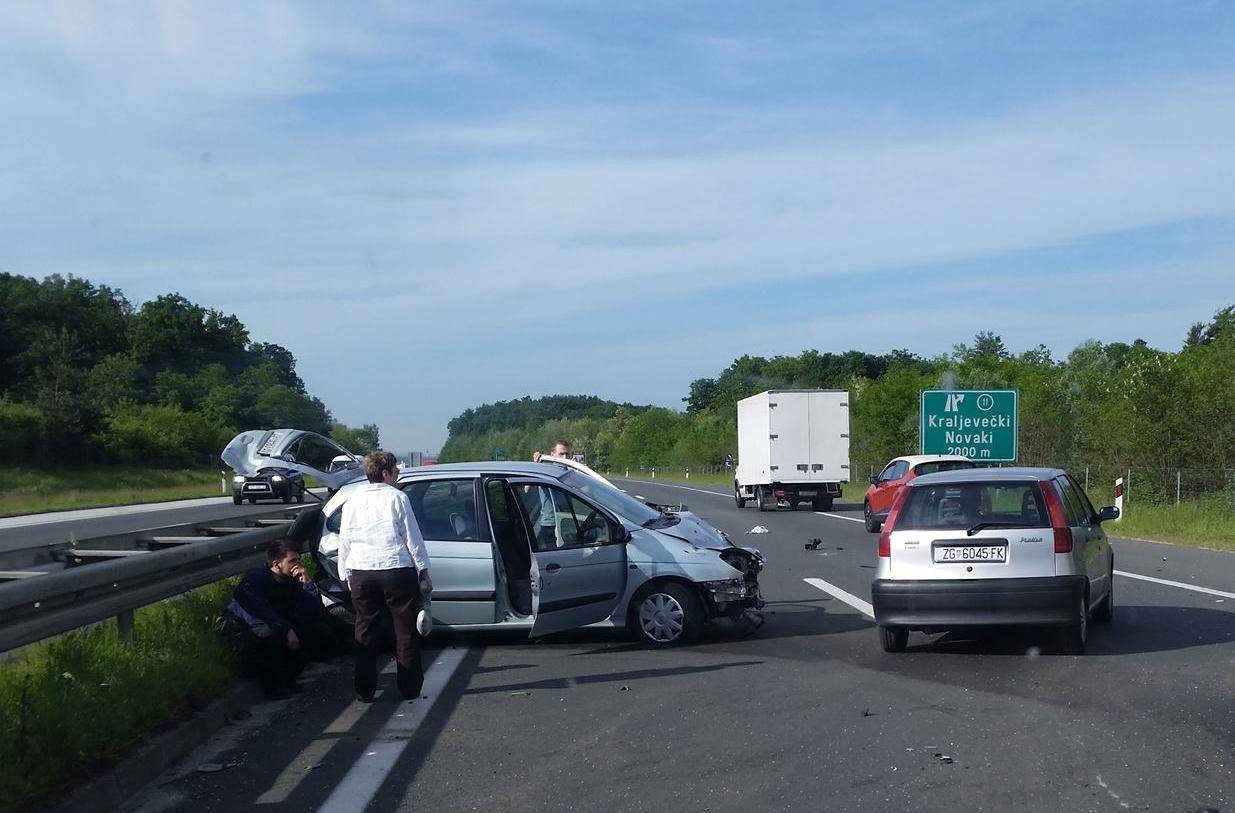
column 979, row 424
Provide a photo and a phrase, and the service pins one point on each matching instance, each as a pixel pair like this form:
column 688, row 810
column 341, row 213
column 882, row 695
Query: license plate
column 257, row 487
column 971, row 553
column 808, row 493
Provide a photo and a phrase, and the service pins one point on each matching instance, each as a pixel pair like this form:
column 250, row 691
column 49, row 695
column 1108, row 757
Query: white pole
column 1119, row 497
column 222, row 482
column 1087, row 478
column 687, row 473
column 1178, row 482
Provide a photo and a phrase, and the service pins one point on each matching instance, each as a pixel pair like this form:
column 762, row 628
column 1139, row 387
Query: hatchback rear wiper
column 983, row 525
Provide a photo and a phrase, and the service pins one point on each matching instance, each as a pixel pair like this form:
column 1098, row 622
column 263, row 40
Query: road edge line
column 369, row 772
column 1182, row 585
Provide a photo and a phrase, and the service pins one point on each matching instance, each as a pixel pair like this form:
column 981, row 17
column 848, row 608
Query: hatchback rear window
column 958, row 506
column 943, row 465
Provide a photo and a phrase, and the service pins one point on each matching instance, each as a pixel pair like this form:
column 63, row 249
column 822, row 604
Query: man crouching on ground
column 383, row 559
column 277, row 617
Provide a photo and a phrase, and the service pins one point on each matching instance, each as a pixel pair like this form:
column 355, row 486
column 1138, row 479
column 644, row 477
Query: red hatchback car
column 888, row 483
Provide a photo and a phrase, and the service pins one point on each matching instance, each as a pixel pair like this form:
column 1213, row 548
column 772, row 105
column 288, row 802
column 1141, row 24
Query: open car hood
column 308, row 453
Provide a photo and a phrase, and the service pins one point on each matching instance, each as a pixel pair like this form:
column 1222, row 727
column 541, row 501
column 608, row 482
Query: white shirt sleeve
column 410, row 531
column 341, row 556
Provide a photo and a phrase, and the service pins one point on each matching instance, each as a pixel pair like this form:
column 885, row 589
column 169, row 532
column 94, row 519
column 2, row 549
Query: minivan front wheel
column 667, row 614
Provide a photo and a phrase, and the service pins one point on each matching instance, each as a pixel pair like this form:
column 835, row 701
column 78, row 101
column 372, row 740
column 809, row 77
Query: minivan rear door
column 306, row 452
column 1011, row 534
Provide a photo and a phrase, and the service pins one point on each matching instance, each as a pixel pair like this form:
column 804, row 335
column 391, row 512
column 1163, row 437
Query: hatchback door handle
column 554, row 568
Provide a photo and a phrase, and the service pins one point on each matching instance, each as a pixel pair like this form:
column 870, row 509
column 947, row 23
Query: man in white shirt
column 383, row 559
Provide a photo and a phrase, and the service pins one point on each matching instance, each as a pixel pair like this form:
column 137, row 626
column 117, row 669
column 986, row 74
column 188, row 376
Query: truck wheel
column 822, row 504
column 737, row 496
column 868, row 516
column 761, row 497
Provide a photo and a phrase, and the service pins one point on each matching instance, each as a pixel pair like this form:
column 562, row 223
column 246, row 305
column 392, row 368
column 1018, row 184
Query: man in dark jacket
column 277, row 616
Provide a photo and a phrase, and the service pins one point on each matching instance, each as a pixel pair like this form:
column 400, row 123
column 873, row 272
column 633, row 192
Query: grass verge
column 73, row 705
column 32, row 491
column 1206, row 523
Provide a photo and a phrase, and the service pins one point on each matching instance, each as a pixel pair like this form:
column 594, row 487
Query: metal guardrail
column 36, row 608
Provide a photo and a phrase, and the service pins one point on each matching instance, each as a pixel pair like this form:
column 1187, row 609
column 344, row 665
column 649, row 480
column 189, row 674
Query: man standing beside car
column 384, row 561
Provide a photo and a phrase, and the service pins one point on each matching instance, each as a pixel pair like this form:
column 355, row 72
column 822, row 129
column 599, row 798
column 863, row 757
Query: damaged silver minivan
column 542, row 547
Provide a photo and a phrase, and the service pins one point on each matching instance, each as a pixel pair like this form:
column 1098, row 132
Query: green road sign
column 979, row 424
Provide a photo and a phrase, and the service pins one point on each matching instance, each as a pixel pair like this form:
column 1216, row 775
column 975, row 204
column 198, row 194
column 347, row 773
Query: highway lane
column 806, row 714
column 40, row 530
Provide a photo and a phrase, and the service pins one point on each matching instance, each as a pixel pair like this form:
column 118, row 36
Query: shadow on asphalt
column 1136, row 630
column 611, row 677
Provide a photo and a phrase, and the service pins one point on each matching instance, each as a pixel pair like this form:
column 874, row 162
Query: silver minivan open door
column 578, row 558
column 306, row 452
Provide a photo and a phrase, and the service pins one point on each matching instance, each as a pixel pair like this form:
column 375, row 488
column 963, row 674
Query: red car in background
column 888, row 483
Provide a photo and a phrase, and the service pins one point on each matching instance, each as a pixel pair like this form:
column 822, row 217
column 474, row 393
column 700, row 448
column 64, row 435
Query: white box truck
column 793, row 447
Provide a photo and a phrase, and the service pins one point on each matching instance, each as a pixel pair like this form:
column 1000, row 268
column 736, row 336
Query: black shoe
column 363, row 698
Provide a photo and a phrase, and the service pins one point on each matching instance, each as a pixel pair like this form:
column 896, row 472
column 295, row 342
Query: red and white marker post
column 1119, row 497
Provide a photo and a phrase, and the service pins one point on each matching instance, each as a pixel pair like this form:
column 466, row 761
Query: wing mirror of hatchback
column 874, row 478
column 1107, row 513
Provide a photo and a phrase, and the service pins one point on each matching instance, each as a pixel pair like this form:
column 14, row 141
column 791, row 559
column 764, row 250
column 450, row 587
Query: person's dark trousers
column 399, row 591
column 270, row 660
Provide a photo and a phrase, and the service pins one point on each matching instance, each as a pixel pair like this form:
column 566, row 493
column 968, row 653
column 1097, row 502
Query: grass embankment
column 73, row 705
column 1208, row 523
column 32, row 491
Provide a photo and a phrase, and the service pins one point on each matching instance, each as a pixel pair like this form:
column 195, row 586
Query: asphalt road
column 806, row 714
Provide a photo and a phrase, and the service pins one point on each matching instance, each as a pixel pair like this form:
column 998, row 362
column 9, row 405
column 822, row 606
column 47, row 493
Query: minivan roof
column 986, row 475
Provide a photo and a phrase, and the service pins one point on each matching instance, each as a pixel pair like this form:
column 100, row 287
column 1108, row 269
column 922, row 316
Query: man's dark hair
column 277, row 551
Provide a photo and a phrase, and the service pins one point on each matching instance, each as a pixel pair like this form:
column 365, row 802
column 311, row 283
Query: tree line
column 86, row 377
column 1106, row 406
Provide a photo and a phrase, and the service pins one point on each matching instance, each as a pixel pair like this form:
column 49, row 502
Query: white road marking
column 1182, row 585
column 358, row 787
column 839, row 516
column 853, row 601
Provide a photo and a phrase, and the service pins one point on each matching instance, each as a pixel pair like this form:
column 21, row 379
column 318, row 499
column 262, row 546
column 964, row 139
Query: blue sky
column 456, row 203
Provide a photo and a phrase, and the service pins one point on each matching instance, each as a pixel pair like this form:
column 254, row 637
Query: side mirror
column 1108, row 513
column 620, row 533
column 874, row 479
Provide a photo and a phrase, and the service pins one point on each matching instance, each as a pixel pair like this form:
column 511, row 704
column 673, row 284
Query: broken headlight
column 726, row 589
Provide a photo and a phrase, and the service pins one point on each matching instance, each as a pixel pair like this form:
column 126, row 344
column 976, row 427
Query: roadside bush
column 161, row 434
column 21, row 426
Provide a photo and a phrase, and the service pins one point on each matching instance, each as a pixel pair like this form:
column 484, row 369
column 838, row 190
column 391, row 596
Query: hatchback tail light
column 1059, row 517
column 885, row 538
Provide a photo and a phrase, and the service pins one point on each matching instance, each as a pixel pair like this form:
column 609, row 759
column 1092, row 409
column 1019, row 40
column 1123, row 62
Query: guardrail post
column 124, row 624
column 687, row 473
column 1178, row 482
column 653, row 472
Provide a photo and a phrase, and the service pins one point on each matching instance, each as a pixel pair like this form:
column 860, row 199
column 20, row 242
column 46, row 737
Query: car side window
column 899, row 470
column 445, row 509
column 560, row 520
column 1072, row 504
column 1086, row 505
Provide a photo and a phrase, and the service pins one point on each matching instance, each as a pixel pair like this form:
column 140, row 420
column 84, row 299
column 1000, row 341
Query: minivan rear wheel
column 893, row 639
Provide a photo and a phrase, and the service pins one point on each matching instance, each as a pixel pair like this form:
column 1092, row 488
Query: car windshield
column 960, row 506
column 617, row 501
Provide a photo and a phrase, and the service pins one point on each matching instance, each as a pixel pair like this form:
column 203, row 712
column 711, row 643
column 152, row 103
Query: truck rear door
column 828, row 436
column 789, row 436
